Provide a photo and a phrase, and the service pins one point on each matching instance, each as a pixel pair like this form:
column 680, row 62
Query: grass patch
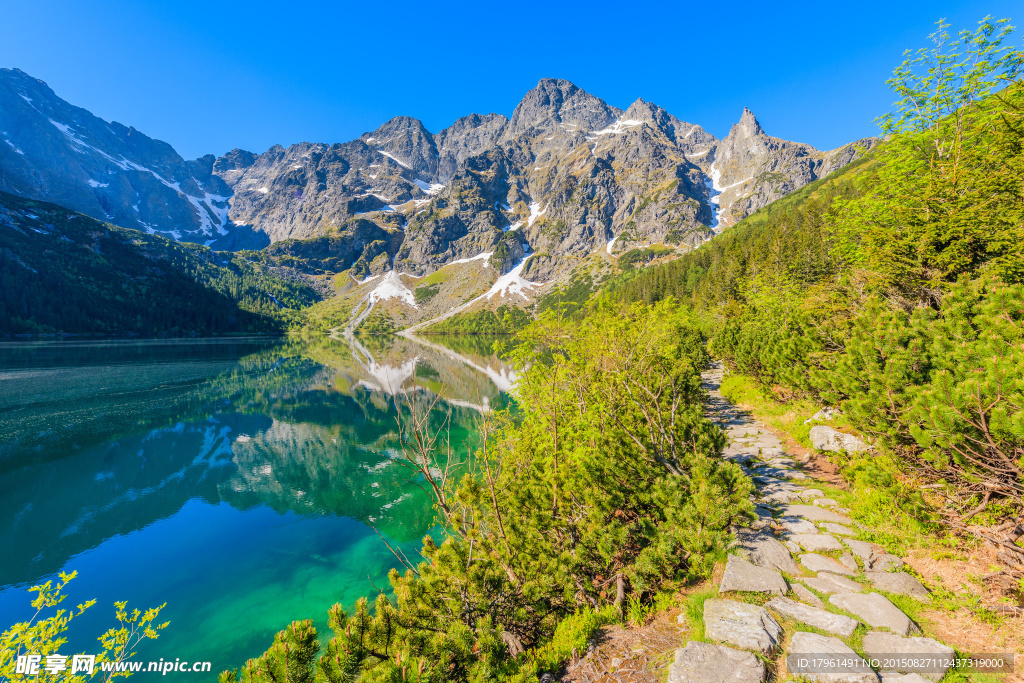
column 694, row 611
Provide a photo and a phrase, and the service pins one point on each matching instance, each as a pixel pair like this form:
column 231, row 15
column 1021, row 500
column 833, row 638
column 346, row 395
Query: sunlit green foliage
column 46, row 636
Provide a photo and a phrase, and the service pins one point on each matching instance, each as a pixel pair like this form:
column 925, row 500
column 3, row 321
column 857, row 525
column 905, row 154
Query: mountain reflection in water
column 235, row 479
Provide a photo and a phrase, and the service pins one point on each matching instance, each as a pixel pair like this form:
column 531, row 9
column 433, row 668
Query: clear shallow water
column 235, row 480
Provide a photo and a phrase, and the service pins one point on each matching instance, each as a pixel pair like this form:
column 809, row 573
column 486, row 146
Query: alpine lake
column 241, row 481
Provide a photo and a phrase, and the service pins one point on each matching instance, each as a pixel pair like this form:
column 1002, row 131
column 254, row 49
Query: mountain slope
column 53, row 151
column 62, row 271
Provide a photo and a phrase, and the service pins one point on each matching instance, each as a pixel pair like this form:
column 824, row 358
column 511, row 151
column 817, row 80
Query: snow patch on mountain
column 485, row 257
column 392, row 287
column 395, row 159
column 429, row 188
column 511, row 283
column 535, row 213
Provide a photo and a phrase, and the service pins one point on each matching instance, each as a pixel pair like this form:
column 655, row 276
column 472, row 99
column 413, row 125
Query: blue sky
column 208, row 76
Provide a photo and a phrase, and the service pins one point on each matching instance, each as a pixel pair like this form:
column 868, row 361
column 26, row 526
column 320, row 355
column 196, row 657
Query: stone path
column 802, row 562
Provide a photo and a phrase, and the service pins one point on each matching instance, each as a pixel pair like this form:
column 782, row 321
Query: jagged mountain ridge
column 565, row 176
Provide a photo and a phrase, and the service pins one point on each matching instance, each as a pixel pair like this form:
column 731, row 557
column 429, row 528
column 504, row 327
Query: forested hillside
column 893, row 289
column 61, row 271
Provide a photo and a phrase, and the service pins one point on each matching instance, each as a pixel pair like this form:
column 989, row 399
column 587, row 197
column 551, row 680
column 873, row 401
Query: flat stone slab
column 836, row 624
column 816, row 542
column 849, row 561
column 863, row 549
column 827, row 582
column 826, row 502
column 840, row 529
column 704, row 663
column 820, row 563
column 766, row 551
column 746, row 626
column 741, row 575
column 815, row 514
column 806, row 648
column 807, row 596
column 876, row 611
column 898, row 582
column 779, row 491
column 796, row 525
column 882, row 645
column 812, row 493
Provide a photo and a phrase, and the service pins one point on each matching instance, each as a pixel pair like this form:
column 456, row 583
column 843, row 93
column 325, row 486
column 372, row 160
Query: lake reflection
column 235, row 479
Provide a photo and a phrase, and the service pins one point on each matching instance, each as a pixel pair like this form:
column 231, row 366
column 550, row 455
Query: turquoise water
column 238, row 480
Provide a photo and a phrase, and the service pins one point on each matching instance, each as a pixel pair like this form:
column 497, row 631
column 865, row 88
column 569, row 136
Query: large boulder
column 828, row 439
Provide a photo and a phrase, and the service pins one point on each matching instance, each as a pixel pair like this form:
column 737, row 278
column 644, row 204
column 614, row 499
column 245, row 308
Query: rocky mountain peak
column 747, row 127
column 555, row 103
column 407, row 141
column 468, row 136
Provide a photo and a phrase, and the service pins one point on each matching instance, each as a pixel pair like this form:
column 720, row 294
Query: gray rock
column 826, row 502
column 807, row 596
column 815, row 514
column 836, row 624
column 863, row 549
column 741, row 575
column 793, row 547
column 778, row 491
column 827, row 582
column 820, row 563
column 796, row 525
column 876, row 611
column 806, row 647
column 882, row 645
column 811, row 493
column 816, row 542
column 766, row 551
column 883, row 562
column 900, row 583
column 828, row 439
column 704, row 663
column 834, row 528
column 746, row 626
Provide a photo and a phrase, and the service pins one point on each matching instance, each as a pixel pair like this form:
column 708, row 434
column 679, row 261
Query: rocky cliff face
column 566, row 176
column 53, row 151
